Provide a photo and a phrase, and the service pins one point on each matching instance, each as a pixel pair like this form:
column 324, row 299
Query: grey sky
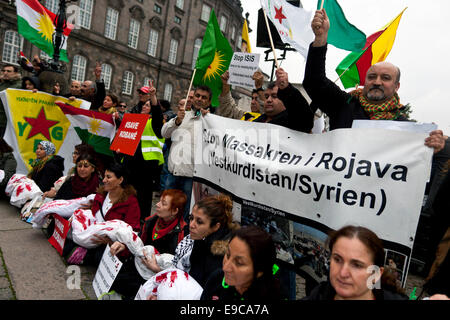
column 420, row 50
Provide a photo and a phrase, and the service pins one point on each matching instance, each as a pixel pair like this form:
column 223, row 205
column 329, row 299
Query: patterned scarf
column 38, row 164
column 388, row 110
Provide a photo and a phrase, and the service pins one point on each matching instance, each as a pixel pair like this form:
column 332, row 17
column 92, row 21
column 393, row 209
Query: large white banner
column 370, row 177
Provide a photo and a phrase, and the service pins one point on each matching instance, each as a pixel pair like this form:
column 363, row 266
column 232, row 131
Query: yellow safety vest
column 250, row 116
column 151, row 145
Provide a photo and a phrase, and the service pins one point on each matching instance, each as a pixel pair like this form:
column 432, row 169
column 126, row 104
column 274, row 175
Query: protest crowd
column 192, row 249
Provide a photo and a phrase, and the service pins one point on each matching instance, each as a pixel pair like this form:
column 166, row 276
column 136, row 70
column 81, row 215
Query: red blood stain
column 173, row 277
column 81, row 218
column 161, row 277
column 19, row 190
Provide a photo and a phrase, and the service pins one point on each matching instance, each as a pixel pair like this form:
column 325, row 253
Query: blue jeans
column 184, row 184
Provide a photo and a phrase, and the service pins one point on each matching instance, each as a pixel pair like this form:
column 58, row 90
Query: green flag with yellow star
column 213, row 59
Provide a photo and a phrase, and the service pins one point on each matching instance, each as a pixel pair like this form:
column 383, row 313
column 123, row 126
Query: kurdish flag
column 213, row 59
column 352, row 70
column 36, row 24
column 94, row 128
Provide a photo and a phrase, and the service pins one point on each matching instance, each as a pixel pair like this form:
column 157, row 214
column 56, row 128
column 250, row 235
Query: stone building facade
column 134, row 40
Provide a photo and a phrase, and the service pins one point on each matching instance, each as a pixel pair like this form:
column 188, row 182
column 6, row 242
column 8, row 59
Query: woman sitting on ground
column 79, row 149
column 8, row 164
column 48, row 167
column 116, row 199
column 163, row 230
column 353, row 249
column 201, row 252
column 248, row 271
column 84, row 182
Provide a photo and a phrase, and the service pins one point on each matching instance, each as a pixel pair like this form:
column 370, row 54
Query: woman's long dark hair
column 263, row 255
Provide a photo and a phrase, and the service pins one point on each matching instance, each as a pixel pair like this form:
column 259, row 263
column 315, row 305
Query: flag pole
column 190, row 86
column 321, row 6
column 270, row 38
column 342, row 74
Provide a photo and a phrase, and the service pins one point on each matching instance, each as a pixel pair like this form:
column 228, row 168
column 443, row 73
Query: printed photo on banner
column 310, row 252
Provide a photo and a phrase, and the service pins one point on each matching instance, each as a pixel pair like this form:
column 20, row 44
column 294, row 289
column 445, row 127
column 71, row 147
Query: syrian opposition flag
column 37, row 24
column 94, row 128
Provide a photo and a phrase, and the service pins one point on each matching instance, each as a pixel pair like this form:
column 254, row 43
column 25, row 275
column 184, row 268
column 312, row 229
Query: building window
column 223, row 24
column 179, row 4
column 112, row 18
column 106, row 75
column 233, row 33
column 78, row 68
column 12, row 45
column 86, row 13
column 133, row 34
column 127, row 84
column 177, row 20
column 168, row 92
column 152, row 42
column 157, row 8
column 173, row 51
column 206, row 12
column 197, row 45
column 52, row 5
column 239, row 42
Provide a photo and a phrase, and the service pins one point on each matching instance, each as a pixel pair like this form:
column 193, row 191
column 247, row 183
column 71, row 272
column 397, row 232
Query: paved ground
column 31, row 269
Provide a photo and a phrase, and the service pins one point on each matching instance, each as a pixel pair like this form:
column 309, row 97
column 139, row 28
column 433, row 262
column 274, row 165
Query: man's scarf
column 388, row 110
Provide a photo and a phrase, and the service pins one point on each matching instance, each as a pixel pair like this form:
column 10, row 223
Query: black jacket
column 52, row 171
column 260, row 290
column 167, row 243
column 340, row 106
column 203, row 261
column 298, row 114
column 325, row 292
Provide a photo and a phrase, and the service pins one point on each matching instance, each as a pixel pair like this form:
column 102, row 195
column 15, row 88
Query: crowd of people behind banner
column 216, row 257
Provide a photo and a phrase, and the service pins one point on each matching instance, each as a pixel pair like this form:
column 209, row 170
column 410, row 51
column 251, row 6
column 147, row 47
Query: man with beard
column 94, row 92
column 377, row 100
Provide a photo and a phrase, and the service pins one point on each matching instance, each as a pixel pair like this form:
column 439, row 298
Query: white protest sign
column 370, row 177
column 107, row 271
column 242, row 67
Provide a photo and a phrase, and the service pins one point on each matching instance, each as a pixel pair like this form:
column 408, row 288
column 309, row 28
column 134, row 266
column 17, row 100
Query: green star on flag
column 213, row 59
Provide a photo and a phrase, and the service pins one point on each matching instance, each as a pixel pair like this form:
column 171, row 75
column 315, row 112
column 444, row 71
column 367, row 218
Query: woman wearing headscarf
column 48, row 167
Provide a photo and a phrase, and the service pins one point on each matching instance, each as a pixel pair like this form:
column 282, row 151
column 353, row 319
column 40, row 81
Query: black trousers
column 143, row 173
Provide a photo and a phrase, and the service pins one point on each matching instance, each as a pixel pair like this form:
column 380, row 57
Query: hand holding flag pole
column 270, row 38
column 189, row 90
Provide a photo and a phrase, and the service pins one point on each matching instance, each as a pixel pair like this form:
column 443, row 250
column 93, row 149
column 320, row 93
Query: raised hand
column 320, row 26
column 98, row 70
